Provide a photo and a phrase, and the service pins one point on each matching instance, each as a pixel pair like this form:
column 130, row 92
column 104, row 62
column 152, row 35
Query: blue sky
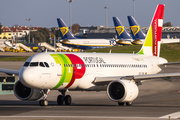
column 43, row 13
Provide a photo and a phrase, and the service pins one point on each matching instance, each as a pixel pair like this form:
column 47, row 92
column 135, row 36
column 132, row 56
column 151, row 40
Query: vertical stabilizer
column 135, row 28
column 151, row 44
column 120, row 29
column 64, row 31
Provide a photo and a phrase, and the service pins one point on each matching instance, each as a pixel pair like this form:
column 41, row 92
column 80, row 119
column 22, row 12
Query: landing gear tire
column 60, row 100
column 129, row 103
column 43, row 102
column 67, row 100
column 121, row 103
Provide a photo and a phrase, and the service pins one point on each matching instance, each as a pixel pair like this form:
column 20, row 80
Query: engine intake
column 24, row 93
column 122, row 90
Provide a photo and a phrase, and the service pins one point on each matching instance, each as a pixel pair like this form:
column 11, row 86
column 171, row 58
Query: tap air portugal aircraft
column 124, row 38
column 136, row 31
column 118, row 74
column 71, row 41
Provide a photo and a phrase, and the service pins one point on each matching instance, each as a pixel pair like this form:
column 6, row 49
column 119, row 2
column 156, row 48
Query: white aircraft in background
column 139, row 35
column 68, row 39
column 118, row 74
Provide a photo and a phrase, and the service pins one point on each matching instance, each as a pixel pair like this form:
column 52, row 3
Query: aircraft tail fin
column 64, row 31
column 152, row 42
column 135, row 28
column 121, row 32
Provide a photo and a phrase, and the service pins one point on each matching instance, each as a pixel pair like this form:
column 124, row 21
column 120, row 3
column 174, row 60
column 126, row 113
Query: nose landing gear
column 44, row 101
column 62, row 98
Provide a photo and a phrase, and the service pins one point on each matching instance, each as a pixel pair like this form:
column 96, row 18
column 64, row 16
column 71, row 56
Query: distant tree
column 58, row 35
column 75, row 28
column 41, row 35
column 168, row 24
column 56, row 32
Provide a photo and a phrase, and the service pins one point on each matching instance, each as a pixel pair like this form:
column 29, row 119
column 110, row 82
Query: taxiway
column 158, row 99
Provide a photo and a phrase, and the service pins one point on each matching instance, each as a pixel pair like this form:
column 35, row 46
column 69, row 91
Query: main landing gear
column 127, row 103
column 44, row 101
column 62, row 98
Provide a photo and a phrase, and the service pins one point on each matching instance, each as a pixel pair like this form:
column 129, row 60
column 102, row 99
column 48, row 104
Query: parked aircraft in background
column 139, row 35
column 71, row 41
column 136, row 31
column 119, row 74
column 124, row 38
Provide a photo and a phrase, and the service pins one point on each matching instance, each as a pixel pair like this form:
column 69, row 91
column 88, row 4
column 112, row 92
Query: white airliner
column 118, row 74
column 68, row 39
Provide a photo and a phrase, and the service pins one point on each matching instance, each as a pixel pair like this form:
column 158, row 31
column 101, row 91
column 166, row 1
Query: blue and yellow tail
column 120, row 29
column 135, row 28
column 64, row 31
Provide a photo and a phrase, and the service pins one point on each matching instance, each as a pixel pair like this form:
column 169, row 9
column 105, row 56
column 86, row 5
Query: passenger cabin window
column 33, row 64
column 26, row 64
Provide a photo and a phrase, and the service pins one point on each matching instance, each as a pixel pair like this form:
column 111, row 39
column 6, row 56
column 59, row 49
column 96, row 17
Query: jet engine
column 122, row 90
column 24, row 93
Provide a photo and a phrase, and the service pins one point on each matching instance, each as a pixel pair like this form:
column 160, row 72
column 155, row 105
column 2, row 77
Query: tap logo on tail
column 135, row 29
column 63, row 30
column 152, row 42
column 120, row 30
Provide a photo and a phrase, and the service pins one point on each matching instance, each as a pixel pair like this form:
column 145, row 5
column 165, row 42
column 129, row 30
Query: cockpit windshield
column 35, row 64
column 26, row 64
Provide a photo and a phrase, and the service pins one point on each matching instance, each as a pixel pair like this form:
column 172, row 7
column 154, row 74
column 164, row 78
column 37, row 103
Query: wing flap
column 136, row 78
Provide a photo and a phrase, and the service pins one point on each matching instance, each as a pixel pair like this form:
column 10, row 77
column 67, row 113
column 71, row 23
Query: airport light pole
column 134, row 8
column 70, row 1
column 106, row 7
column 29, row 28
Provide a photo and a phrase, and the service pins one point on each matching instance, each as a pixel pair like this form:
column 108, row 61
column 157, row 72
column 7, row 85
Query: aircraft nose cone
column 26, row 77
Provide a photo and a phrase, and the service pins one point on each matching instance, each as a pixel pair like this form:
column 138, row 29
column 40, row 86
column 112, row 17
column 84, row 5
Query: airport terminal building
column 109, row 32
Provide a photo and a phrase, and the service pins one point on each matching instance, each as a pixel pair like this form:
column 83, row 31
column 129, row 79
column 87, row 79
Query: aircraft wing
column 9, row 71
column 167, row 64
column 137, row 78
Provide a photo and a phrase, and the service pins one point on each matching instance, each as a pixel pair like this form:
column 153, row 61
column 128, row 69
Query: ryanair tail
column 64, row 31
column 136, row 31
column 152, row 42
column 121, row 32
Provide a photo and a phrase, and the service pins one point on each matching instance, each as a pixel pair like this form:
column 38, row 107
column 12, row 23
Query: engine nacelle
column 122, row 90
column 24, row 93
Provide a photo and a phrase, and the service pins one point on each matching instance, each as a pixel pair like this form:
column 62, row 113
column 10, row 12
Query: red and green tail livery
column 151, row 45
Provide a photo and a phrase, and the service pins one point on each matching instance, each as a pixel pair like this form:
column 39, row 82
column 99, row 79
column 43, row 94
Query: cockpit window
column 46, row 64
column 41, row 64
column 34, row 64
column 26, row 64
